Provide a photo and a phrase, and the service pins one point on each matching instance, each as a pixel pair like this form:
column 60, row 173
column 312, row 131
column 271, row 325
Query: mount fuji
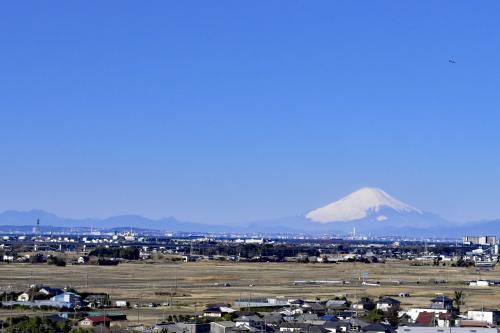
column 369, row 211
column 364, row 203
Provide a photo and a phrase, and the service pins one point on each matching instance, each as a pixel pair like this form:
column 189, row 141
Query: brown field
column 196, row 284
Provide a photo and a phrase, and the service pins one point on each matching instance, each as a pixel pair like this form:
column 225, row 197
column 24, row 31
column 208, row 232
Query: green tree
column 392, row 317
column 458, row 298
column 375, row 315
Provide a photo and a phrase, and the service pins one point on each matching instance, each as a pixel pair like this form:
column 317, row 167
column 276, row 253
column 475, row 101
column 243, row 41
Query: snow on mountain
column 360, row 204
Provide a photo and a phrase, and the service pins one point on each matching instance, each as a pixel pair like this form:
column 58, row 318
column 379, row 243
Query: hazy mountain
column 23, row 218
column 369, row 211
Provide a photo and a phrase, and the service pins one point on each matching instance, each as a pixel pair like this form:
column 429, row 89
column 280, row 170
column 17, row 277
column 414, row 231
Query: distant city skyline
column 238, row 111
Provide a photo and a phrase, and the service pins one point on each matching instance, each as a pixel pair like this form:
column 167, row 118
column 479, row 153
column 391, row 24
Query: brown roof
column 99, row 319
column 425, row 318
column 473, row 323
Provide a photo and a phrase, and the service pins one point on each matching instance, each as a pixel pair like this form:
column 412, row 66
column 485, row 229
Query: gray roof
column 388, row 300
column 378, row 327
column 406, row 329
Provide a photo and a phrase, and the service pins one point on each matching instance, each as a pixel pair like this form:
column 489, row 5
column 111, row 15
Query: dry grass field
column 196, row 284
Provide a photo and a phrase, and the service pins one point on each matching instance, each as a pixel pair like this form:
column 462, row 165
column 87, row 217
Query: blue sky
column 226, row 111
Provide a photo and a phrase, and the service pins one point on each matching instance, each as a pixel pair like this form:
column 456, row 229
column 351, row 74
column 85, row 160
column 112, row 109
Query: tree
column 392, row 317
column 375, row 315
column 458, row 297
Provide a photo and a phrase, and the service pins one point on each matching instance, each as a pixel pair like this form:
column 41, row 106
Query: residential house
column 95, row 321
column 314, row 307
column 217, row 311
column 486, row 315
column 221, row 326
column 24, row 297
column 356, row 325
column 425, row 318
column 82, row 259
column 70, row 299
column 406, row 329
column 303, row 328
column 442, row 302
column 336, row 304
column 97, row 300
column 388, row 303
column 364, row 305
column 50, row 291
column 378, row 328
column 346, row 315
column 336, row 326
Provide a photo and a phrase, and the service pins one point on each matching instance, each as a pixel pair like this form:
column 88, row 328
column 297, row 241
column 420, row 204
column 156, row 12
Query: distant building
column 480, row 240
column 95, row 321
column 406, row 329
column 442, row 302
column 51, row 291
column 71, row 299
column 387, row 303
column 488, row 316
column 82, row 259
column 24, row 297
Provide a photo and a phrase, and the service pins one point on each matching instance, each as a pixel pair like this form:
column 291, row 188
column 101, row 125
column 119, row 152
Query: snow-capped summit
column 358, row 205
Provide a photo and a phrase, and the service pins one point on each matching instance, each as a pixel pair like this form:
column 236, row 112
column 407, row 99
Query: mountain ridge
column 368, row 211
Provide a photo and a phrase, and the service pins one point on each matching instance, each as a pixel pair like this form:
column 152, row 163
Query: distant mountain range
column 368, row 211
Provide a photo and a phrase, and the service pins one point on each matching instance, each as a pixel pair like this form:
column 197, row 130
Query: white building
column 24, row 297
column 489, row 316
column 414, row 329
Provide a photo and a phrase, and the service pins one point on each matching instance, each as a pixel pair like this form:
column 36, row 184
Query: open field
column 196, row 284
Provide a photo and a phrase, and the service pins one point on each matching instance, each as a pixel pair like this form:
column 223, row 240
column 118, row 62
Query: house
column 313, row 307
column 356, row 325
column 336, row 304
column 221, row 326
column 70, row 299
column 97, row 300
column 363, row 305
column 24, row 297
column 122, row 304
column 251, row 320
column 82, row 259
column 50, row 291
column 95, row 321
column 307, row 318
column 274, row 319
column 414, row 312
column 8, row 257
column 378, row 328
column 442, row 302
column 329, row 317
column 251, row 323
column 474, row 324
column 489, row 316
column 445, row 319
column 346, row 315
column 405, row 329
column 303, row 327
column 387, row 303
column 217, row 311
column 190, row 327
column 426, row 319
column 336, row 326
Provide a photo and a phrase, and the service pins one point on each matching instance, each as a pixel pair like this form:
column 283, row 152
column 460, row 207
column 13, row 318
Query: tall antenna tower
column 36, row 229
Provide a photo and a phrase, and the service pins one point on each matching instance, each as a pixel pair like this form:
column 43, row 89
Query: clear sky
column 225, row 111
